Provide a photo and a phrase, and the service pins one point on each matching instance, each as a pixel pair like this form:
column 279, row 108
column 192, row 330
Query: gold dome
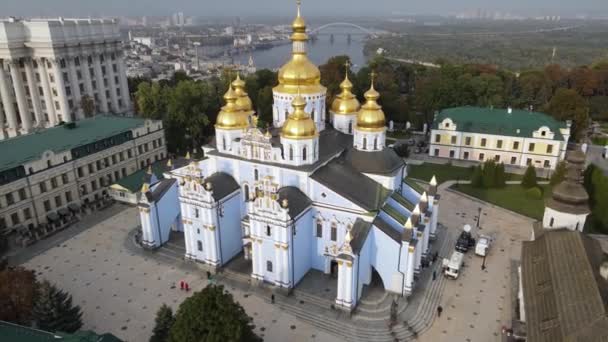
column 299, row 125
column 243, row 102
column 299, row 74
column 231, row 117
column 346, row 103
column 371, row 117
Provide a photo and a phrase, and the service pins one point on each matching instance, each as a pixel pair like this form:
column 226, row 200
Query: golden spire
column 408, row 224
column 346, row 103
column 433, row 181
column 299, row 71
column 243, row 102
column 169, row 163
column 188, row 155
column 299, row 125
column 371, row 117
column 231, row 116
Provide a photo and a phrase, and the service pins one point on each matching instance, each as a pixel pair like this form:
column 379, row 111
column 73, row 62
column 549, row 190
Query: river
column 319, row 51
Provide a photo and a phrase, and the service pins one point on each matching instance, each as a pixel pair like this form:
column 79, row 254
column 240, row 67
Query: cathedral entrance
column 374, row 291
column 333, row 269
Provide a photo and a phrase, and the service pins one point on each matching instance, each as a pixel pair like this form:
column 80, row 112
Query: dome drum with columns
column 302, row 196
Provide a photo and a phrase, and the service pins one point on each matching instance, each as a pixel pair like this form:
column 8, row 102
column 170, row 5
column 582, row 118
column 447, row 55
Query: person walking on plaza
column 434, row 275
column 439, row 311
column 181, row 285
column 187, row 287
column 272, row 298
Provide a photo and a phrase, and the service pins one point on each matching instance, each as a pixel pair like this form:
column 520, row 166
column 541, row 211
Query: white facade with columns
column 48, row 65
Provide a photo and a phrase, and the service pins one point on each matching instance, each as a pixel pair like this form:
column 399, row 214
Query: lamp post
column 483, row 264
column 478, row 217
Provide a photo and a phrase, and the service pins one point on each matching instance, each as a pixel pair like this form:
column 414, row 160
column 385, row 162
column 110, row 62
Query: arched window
column 269, row 266
column 334, row 232
column 304, row 152
column 577, row 225
column 312, row 114
column 290, row 152
column 256, row 174
column 350, row 127
column 314, row 150
column 223, row 142
column 375, row 143
column 268, row 231
column 551, row 222
column 365, row 143
column 246, row 190
column 319, row 229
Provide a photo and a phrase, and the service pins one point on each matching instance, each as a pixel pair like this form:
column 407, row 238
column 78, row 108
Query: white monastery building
column 302, row 195
column 48, row 66
column 509, row 136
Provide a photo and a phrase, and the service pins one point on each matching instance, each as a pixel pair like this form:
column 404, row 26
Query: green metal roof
column 18, row 333
column 134, row 181
column 499, row 121
column 24, row 148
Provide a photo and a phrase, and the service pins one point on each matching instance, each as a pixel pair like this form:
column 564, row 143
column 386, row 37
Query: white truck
column 483, row 245
column 452, row 265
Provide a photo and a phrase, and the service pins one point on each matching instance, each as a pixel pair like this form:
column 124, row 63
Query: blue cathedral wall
column 303, row 250
column 230, row 225
column 364, row 265
column 385, row 259
column 168, row 213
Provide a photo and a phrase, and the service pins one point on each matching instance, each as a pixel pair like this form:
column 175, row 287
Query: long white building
column 302, row 195
column 48, row 66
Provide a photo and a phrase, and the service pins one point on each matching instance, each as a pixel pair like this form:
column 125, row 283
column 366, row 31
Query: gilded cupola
column 299, row 124
column 231, row 117
column 243, row 102
column 299, row 73
column 346, row 103
column 371, row 117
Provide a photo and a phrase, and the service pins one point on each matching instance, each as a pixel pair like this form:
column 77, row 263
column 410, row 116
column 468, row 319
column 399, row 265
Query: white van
column 452, row 266
column 483, row 245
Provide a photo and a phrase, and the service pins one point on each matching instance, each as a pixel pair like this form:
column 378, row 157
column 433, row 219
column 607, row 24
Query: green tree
column 53, row 310
column 477, row 177
column 559, row 174
column 211, row 315
column 265, row 99
column 151, row 100
column 597, row 188
column 17, row 290
column 567, row 104
column 529, row 179
column 489, row 174
column 501, row 176
column 87, row 104
column 163, row 323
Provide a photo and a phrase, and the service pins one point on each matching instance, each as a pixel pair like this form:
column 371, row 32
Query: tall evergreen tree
column 53, row 310
column 559, row 174
column 17, row 291
column 489, row 174
column 501, row 176
column 529, row 179
column 212, row 315
column 477, row 177
column 163, row 323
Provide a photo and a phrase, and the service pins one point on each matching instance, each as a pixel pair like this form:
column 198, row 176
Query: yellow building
column 512, row 137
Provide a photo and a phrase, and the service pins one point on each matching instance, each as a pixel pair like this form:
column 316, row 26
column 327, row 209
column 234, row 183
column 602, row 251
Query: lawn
column 398, row 134
column 511, row 197
column 445, row 172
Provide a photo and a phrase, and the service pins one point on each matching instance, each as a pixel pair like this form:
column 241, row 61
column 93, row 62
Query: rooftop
column 565, row 297
column 17, row 333
column 499, row 121
column 25, row 148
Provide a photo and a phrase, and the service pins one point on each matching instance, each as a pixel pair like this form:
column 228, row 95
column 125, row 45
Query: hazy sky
column 246, row 8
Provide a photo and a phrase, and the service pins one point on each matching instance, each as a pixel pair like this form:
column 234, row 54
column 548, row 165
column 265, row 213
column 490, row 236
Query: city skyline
column 32, row 8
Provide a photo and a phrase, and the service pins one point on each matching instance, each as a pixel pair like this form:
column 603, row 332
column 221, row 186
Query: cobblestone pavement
column 120, row 291
column 478, row 303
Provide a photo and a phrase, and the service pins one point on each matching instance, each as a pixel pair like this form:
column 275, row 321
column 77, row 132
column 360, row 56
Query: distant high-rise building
column 48, row 66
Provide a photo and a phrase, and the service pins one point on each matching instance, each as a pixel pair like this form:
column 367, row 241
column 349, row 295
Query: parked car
column 451, row 266
column 465, row 241
column 483, row 245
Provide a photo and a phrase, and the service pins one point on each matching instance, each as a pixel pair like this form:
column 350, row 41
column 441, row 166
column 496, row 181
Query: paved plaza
column 120, row 289
column 478, row 303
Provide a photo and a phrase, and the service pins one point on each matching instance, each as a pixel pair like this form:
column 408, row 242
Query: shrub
column 529, row 179
column 534, row 193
